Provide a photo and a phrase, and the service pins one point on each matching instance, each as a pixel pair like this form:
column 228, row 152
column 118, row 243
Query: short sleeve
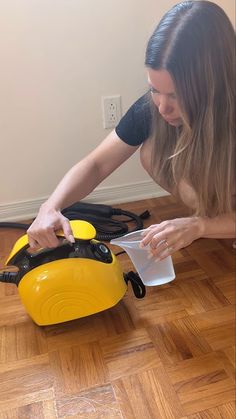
column 135, row 126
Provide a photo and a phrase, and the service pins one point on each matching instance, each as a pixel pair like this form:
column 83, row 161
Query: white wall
column 58, row 57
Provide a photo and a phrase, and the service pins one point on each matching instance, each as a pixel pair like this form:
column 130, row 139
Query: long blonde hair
column 195, row 43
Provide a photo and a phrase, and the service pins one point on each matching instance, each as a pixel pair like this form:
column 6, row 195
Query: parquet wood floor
column 168, row 356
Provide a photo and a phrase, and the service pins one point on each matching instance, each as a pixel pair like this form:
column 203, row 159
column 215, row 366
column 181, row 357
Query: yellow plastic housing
column 81, row 230
column 68, row 289
column 19, row 244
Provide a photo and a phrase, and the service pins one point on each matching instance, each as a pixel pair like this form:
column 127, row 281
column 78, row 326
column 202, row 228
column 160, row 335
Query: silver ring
column 166, row 243
column 168, row 248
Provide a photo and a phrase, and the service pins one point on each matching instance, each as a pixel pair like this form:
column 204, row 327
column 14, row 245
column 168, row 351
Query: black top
column 135, row 126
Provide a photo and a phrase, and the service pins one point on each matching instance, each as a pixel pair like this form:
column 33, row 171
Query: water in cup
column 150, row 271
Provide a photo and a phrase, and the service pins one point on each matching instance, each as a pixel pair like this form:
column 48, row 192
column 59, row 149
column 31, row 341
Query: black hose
column 14, row 225
column 100, row 216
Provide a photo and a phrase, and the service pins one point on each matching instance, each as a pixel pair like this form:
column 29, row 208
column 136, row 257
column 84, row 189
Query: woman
column 185, row 125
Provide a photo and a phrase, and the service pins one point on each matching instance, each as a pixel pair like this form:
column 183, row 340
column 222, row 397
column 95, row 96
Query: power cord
column 10, row 277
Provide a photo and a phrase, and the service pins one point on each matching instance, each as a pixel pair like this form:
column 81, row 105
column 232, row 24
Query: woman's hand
column 169, row 236
column 42, row 232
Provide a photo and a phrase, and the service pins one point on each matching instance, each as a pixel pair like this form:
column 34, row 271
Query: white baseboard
column 24, row 210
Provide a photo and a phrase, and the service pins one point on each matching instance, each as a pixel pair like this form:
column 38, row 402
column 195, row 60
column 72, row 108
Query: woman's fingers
column 32, row 242
column 163, row 250
column 149, row 234
column 67, row 230
column 161, row 240
column 42, row 232
column 43, row 238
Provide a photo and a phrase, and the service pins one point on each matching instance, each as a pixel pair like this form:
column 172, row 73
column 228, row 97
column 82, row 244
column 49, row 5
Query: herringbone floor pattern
column 170, row 355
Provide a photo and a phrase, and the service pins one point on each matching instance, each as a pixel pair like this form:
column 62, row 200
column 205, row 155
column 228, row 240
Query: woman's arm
column 221, row 227
column 172, row 235
column 82, row 178
column 76, row 184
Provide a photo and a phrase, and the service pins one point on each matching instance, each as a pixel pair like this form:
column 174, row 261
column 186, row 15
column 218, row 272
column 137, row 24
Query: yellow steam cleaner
column 71, row 280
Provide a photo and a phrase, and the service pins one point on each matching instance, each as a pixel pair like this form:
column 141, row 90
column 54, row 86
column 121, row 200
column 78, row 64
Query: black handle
column 137, row 284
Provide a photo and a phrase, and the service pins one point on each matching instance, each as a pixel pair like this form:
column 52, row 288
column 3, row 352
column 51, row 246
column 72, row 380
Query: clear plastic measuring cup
column 150, row 271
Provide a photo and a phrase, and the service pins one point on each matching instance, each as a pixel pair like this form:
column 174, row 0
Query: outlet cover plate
column 111, row 110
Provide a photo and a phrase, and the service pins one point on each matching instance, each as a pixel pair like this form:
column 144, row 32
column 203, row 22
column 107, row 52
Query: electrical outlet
column 111, row 109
